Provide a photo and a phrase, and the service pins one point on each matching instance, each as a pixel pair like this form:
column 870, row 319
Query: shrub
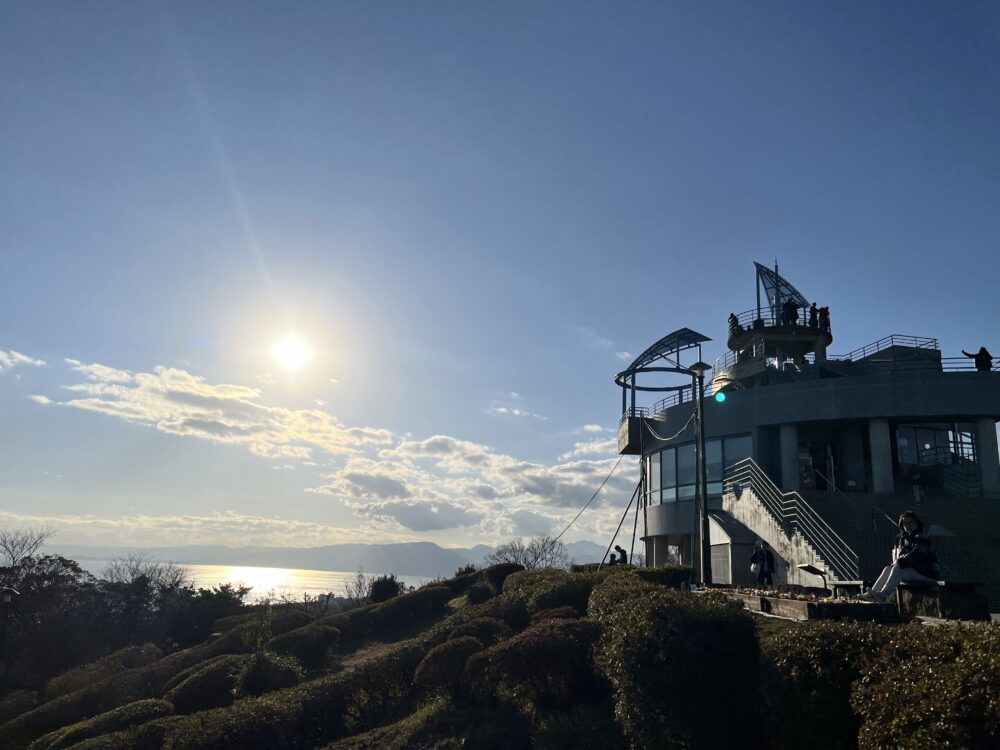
column 588, row 727
column 932, row 687
column 443, row 669
column 547, row 588
column 384, row 588
column 488, row 630
column 309, row 644
column 208, row 687
column 387, row 618
column 548, row 665
column 479, row 593
column 115, row 720
column 16, row 703
column 671, row 576
column 267, row 671
column 464, row 578
column 806, row 678
column 495, row 575
column 88, row 674
column 127, row 687
column 557, row 613
column 283, row 619
column 677, row 662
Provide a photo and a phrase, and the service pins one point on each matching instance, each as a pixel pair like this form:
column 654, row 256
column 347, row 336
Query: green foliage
column 465, row 570
column 283, row 619
column 464, row 578
column 309, row 644
column 671, row 576
column 588, row 727
column 677, row 663
column 115, row 720
column 268, row 671
column 495, row 575
column 546, row 588
column 488, row 630
column 806, row 676
column 932, row 687
column 16, row 703
column 208, row 686
column 479, row 593
column 548, row 665
column 98, row 698
column 565, row 612
column 384, row 588
column 443, row 669
column 87, row 674
column 393, row 616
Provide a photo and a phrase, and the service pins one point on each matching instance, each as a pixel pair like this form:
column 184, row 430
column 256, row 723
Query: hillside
column 502, row 658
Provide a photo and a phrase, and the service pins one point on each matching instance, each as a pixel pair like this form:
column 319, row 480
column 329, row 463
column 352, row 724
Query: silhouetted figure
column 813, row 322
column 824, row 319
column 734, row 325
column 763, row 559
column 612, row 559
column 623, row 555
column 791, row 313
column 982, row 358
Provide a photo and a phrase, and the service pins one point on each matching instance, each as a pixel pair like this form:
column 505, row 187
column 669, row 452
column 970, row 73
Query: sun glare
column 292, row 353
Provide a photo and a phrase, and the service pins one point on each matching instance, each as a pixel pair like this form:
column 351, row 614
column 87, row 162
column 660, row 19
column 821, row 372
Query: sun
column 292, row 352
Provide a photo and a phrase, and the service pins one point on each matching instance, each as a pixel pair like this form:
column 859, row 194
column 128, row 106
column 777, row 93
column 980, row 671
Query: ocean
column 265, row 582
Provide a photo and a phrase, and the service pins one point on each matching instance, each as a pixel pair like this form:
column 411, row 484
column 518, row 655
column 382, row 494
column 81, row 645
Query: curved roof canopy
column 669, row 348
column 778, row 287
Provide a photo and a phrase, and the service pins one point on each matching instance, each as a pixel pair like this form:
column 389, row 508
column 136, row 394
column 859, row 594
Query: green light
column 720, row 397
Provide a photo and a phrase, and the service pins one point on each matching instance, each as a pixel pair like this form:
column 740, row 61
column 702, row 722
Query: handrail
column 766, row 317
column 793, row 512
column 893, row 339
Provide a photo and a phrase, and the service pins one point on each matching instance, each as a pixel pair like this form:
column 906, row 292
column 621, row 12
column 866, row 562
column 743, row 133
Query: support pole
column 704, row 546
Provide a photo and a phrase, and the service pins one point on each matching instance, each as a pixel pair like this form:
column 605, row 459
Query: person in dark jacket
column 763, row 558
column 913, row 559
column 982, row 358
column 623, row 555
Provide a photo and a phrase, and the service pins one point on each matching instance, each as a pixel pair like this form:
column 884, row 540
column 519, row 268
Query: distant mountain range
column 405, row 558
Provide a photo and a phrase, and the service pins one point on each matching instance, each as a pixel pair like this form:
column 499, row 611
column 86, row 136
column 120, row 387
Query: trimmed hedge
column 16, row 703
column 557, row 613
column 112, row 664
column 210, row 686
column 488, row 630
column 495, row 575
column 266, row 672
column 549, row 665
column 443, row 669
column 283, row 619
column 309, row 644
column 115, row 720
column 479, row 593
column 98, row 698
column 387, row 618
column 548, row 588
column 932, row 687
column 677, row 662
column 807, row 672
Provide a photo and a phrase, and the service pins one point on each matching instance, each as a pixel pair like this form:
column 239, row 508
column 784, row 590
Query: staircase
column 796, row 532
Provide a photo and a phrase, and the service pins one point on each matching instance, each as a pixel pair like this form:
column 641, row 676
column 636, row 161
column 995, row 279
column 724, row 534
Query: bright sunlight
column 292, row 353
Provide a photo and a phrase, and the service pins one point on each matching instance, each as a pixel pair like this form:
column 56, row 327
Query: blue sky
column 471, row 213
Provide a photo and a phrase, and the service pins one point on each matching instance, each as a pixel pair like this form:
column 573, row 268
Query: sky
column 296, row 274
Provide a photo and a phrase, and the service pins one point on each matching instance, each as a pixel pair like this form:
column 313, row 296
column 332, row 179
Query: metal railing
column 792, row 512
column 766, row 317
column 886, row 342
column 683, row 396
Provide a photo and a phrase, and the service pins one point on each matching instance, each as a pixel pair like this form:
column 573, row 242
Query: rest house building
column 813, row 453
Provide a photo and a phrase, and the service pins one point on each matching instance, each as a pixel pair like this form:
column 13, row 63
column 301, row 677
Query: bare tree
column 541, row 551
column 17, row 544
column 136, row 564
column 356, row 590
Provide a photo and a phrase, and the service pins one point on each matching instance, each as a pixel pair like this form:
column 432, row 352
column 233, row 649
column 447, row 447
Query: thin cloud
column 9, row 359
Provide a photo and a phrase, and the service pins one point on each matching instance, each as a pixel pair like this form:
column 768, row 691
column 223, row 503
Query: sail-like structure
column 777, row 288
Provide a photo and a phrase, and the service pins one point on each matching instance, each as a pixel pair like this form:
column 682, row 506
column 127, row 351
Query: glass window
column 654, row 472
column 668, row 469
column 686, row 464
column 715, row 489
column 737, row 448
column 685, row 492
column 713, row 459
column 669, row 494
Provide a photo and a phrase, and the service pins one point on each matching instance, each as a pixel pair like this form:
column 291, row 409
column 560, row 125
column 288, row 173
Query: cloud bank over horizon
column 397, row 487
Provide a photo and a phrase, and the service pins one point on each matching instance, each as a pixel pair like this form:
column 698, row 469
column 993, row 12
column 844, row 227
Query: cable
column 627, row 509
column 676, row 434
column 544, row 550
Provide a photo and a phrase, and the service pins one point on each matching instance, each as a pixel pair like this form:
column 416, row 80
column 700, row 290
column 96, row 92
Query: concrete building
column 811, row 452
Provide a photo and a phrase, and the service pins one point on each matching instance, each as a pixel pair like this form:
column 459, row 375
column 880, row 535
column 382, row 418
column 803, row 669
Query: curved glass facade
column 671, row 473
